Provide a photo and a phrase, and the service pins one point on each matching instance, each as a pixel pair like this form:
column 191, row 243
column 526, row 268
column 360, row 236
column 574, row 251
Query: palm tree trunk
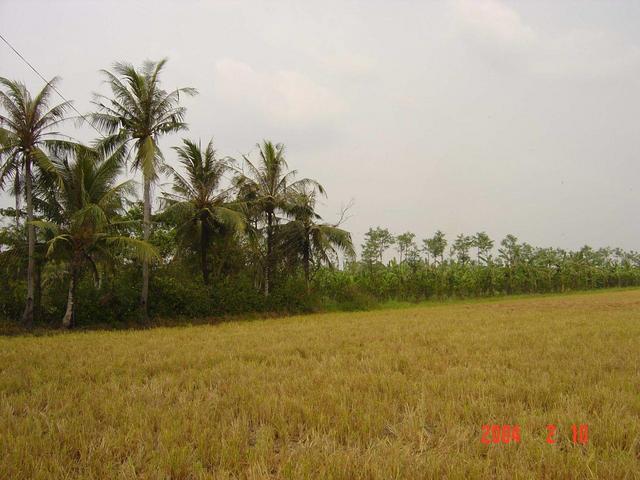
column 17, row 213
column 18, row 191
column 69, row 315
column 27, row 316
column 267, row 265
column 306, row 260
column 146, row 229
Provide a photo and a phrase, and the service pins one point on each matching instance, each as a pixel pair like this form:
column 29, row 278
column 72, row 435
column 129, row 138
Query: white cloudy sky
column 509, row 117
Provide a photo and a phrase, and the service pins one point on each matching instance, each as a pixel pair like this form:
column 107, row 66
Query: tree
column 26, row 133
column 510, row 254
column 460, row 248
column 436, row 246
column 305, row 235
column 404, row 242
column 268, row 188
column 412, row 257
column 84, row 207
column 484, row 244
column 376, row 242
column 511, row 251
column 199, row 201
column 136, row 116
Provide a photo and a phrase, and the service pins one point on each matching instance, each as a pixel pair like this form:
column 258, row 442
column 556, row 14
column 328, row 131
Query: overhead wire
column 48, row 82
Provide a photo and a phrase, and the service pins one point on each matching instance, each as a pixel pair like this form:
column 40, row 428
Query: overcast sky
column 509, row 117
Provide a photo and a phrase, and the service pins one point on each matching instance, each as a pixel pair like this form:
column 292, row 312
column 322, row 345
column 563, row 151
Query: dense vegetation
column 229, row 236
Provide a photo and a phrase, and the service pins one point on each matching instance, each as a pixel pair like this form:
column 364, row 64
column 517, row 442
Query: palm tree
column 26, row 132
column 83, row 209
column 200, row 203
column 268, row 187
column 136, row 116
column 305, row 236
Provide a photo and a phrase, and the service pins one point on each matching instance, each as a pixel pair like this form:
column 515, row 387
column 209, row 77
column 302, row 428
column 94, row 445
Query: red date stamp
column 500, row 434
column 579, row 434
column 496, row 434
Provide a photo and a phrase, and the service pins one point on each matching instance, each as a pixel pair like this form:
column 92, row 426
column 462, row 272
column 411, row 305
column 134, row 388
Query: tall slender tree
column 376, row 242
column 27, row 129
column 483, row 244
column 404, row 242
column 137, row 114
column 84, row 208
column 269, row 186
column 461, row 246
column 199, row 201
column 435, row 246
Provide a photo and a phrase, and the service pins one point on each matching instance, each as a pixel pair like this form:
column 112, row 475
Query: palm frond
column 140, row 249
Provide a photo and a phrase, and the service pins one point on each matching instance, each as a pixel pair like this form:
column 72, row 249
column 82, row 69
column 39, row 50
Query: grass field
column 386, row 394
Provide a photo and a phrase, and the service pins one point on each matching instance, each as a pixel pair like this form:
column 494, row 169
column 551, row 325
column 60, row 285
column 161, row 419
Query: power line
column 50, row 84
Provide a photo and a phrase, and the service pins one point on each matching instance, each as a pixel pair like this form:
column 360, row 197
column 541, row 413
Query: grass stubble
column 382, row 394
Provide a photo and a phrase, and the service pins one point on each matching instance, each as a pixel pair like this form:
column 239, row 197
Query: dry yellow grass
column 384, row 394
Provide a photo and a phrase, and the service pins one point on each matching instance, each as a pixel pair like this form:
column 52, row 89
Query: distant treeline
column 230, row 235
column 468, row 266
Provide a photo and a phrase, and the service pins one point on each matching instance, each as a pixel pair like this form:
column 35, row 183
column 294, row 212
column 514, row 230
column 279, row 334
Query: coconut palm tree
column 268, row 187
column 310, row 239
column 26, row 133
column 199, row 200
column 83, row 210
column 137, row 114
